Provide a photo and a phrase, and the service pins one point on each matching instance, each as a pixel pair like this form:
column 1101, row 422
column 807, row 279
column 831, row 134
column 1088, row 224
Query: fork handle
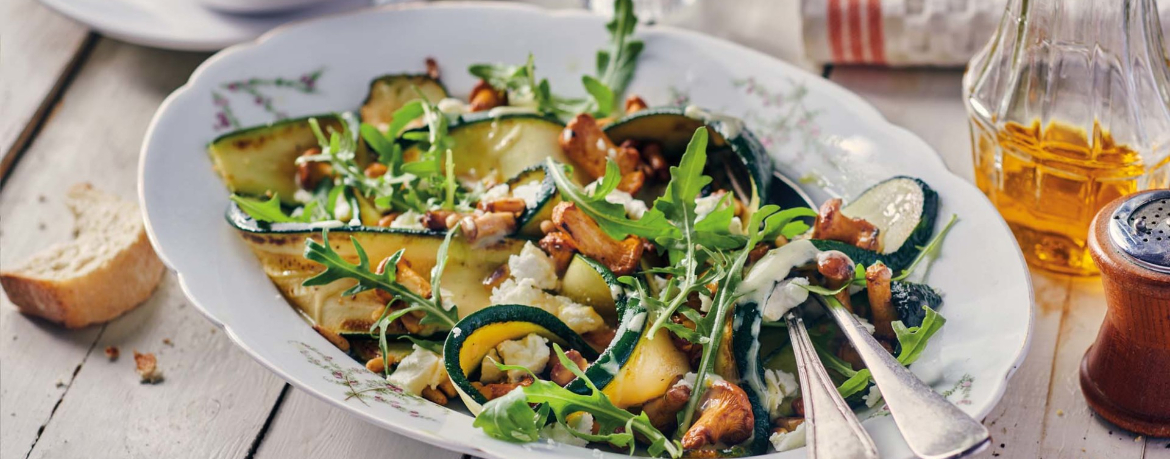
column 932, row 426
column 832, row 431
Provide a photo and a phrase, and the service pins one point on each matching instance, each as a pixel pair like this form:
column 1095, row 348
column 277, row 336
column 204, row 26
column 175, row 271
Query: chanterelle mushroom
column 833, row 225
column 590, row 149
column 621, row 257
column 877, row 288
column 663, row 411
column 837, row 269
column 726, row 418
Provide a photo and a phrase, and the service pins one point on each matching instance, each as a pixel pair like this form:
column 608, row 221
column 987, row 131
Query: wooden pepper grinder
column 1125, row 374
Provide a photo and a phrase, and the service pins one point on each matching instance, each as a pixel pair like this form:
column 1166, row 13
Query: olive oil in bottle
column 1069, row 107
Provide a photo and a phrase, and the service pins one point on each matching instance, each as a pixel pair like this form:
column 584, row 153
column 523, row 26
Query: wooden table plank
column 41, row 48
column 307, row 427
column 215, row 399
column 1017, row 423
column 1072, row 429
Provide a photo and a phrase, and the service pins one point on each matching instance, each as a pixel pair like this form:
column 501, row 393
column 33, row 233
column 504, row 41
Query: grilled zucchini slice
column 388, row 93
column 279, row 247
column 260, row 160
column 477, row 334
column 729, row 144
column 904, row 209
column 500, row 146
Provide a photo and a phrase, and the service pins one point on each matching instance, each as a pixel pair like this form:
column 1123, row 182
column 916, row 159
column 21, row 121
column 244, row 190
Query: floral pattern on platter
column 258, row 90
column 362, row 385
column 961, row 387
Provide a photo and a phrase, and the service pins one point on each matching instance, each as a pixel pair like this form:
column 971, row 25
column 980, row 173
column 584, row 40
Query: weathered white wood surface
column 60, row 396
column 29, row 29
column 307, row 427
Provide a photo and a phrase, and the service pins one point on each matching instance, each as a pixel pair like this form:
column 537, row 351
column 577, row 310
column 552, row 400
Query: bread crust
column 118, row 284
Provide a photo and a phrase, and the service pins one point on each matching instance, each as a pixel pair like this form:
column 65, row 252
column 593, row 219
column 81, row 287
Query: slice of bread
column 106, row 270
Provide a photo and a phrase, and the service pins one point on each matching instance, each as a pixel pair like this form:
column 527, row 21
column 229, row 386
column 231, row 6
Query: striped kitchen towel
column 904, row 32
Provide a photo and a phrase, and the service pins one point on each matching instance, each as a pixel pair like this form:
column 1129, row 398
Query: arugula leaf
column 615, row 66
column 930, row 249
column 602, row 94
column 433, row 346
column 615, row 69
column 507, row 420
column 266, row 211
column 384, row 143
column 609, row 216
column 912, row 342
column 763, row 221
column 440, row 266
column 337, row 268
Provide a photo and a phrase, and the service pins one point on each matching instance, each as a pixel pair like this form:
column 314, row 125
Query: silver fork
column 932, row 426
column 832, row 431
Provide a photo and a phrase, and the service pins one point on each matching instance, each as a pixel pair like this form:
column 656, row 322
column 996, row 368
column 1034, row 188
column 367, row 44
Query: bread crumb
column 112, row 353
column 147, row 366
column 168, row 342
column 1060, row 412
column 1139, row 439
column 60, row 384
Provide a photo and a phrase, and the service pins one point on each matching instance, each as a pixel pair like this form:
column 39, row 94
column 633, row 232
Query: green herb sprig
column 510, row 418
column 763, row 222
column 912, row 342
column 270, row 211
column 337, row 268
column 615, row 68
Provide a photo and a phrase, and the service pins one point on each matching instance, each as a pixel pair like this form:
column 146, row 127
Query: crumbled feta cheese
column 488, row 372
column 511, row 291
column 529, row 192
column 533, row 263
column 496, row 192
column 557, row 432
column 736, row 227
column 419, row 370
column 635, row 208
column 780, row 386
column 341, row 208
column 786, row 295
column 873, row 397
column 408, row 220
column 865, row 323
column 531, row 352
column 303, row 196
column 580, row 318
column 788, row 440
column 689, row 379
column 592, row 187
column 452, row 106
column 446, row 295
column 704, row 303
column 704, row 205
